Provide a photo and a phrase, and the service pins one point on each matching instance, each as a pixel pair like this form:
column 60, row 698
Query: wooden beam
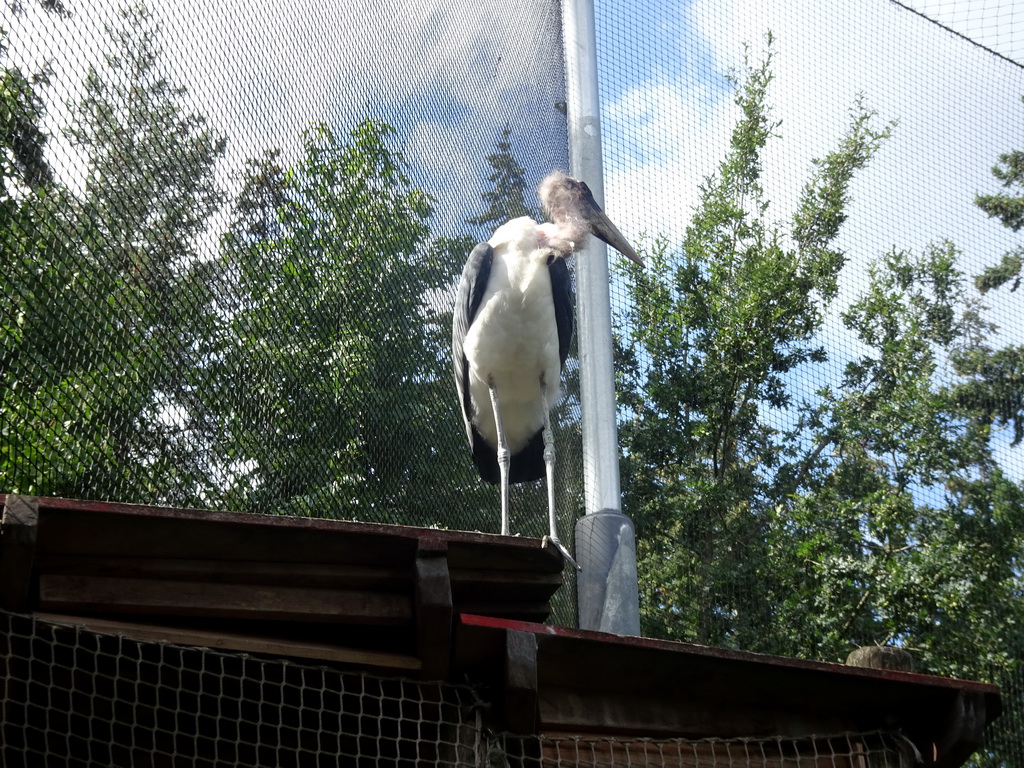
column 433, row 608
column 231, row 641
column 484, row 584
column 520, row 683
column 598, row 683
column 18, row 528
column 506, row 576
column 385, row 577
column 669, row 753
column 107, row 594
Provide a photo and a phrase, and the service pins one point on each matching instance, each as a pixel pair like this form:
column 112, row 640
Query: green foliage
column 878, row 514
column 1008, row 208
column 506, row 197
column 994, row 389
column 305, row 369
column 24, row 143
column 38, row 274
column 149, row 194
column 98, row 329
column 993, row 386
column 922, row 544
column 995, row 277
column 40, row 403
column 149, row 186
column 714, row 330
column 329, row 376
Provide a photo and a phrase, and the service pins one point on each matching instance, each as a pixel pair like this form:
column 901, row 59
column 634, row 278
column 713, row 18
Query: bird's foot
column 563, row 550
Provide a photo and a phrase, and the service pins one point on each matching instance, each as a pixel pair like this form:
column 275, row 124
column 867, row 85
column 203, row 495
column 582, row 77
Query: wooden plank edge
column 184, row 598
column 18, row 527
column 490, row 542
column 433, row 609
column 278, row 574
column 228, row 641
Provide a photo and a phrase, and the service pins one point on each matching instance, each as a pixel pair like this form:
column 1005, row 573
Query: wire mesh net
column 231, row 235
column 848, row 750
column 74, row 697
column 232, row 238
column 819, row 430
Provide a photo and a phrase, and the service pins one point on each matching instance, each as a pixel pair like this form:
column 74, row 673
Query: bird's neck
column 564, row 238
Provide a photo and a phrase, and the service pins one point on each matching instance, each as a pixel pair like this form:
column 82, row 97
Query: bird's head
column 570, row 205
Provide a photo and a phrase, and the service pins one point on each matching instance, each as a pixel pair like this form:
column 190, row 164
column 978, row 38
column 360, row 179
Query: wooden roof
column 381, row 595
column 560, row 681
column 442, row 605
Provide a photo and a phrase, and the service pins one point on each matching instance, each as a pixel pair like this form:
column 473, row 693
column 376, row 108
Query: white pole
column 600, row 433
column 604, row 538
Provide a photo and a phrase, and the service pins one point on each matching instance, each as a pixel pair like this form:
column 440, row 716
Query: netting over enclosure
column 820, row 401
column 230, row 235
column 232, row 240
column 81, row 698
column 874, row 750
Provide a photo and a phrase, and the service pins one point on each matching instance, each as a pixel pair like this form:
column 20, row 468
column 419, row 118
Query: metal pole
column 605, row 546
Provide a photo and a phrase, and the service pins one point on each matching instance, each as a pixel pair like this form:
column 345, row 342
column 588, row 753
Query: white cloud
column 958, row 108
column 668, row 141
column 447, row 76
column 451, row 74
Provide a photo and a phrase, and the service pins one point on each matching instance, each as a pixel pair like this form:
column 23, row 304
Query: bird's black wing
column 467, row 301
column 562, row 295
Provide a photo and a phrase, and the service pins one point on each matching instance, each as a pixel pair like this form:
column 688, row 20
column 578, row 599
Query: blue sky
column 450, row 76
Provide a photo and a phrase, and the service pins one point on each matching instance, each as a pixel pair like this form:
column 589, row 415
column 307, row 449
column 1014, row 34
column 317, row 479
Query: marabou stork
column 510, row 336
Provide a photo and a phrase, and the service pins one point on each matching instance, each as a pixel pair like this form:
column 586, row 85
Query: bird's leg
column 504, row 457
column 549, row 461
column 549, row 467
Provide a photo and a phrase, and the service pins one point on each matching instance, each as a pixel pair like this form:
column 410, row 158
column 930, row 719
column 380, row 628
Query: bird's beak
column 603, row 228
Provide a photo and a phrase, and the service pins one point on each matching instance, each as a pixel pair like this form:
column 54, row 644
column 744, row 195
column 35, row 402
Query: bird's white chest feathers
column 513, row 341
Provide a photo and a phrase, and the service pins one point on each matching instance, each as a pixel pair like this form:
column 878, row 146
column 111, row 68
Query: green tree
column 331, row 384
column 506, row 197
column 905, row 528
column 46, row 297
column 1008, row 207
column 21, row 134
column 877, row 513
column 992, row 389
column 995, row 377
column 108, row 363
column 713, row 331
